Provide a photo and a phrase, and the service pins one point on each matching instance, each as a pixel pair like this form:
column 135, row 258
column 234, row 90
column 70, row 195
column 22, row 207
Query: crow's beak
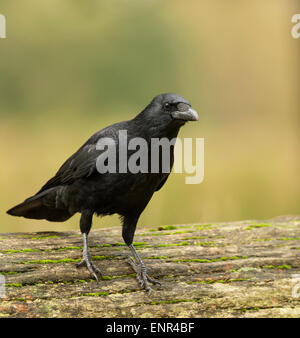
column 189, row 115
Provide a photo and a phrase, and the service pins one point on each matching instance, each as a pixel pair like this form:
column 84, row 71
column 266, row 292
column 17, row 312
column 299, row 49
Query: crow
column 78, row 186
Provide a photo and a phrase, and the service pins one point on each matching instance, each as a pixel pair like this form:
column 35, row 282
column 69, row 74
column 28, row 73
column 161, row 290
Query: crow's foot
column 142, row 275
column 87, row 261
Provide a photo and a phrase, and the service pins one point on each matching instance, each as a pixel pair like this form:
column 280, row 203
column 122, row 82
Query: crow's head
column 169, row 110
column 175, row 107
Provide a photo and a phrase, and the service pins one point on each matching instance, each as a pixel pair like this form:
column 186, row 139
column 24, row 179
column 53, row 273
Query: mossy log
column 233, row 269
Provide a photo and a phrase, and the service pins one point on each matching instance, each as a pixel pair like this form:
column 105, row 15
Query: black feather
column 78, row 186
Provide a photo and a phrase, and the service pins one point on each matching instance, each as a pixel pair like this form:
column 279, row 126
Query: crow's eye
column 167, row 106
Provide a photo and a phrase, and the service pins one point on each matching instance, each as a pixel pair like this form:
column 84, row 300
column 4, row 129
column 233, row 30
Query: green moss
column 182, row 232
column 173, row 301
column 157, row 234
column 22, row 250
column 20, row 299
column 237, row 279
column 44, row 237
column 194, row 260
column 88, row 280
column 254, row 226
column 23, row 236
column 70, row 248
column 269, row 267
column 245, row 269
column 172, row 244
column 167, row 233
column 290, row 238
column 119, row 244
column 106, row 277
column 167, row 227
column 124, row 276
column 9, row 273
column 126, row 291
column 210, row 260
column 16, row 285
column 195, row 237
column 139, row 243
column 95, row 294
column 262, row 239
column 113, row 277
column 157, row 257
column 134, row 243
column 249, row 309
column 63, row 260
column 283, row 267
column 205, row 243
column 211, row 281
column 204, row 281
column 204, row 227
column 100, row 258
column 52, row 261
column 233, row 257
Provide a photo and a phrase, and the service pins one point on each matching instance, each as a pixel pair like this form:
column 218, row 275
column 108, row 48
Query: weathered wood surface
column 233, row 269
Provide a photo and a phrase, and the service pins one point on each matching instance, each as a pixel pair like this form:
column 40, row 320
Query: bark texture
column 233, row 269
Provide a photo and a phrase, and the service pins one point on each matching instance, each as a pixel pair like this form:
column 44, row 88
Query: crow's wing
column 79, row 165
column 83, row 162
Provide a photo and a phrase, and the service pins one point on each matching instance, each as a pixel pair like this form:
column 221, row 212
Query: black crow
column 78, row 186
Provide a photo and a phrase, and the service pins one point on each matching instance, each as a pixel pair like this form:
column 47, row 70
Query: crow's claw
column 86, row 260
column 142, row 275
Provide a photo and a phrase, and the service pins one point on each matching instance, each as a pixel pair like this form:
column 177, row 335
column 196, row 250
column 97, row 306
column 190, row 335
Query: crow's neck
column 149, row 128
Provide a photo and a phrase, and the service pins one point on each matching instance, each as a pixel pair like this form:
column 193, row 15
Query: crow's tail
column 42, row 206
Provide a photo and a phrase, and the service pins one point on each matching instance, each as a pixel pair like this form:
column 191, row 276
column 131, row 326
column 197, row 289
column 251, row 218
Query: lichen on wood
column 231, row 269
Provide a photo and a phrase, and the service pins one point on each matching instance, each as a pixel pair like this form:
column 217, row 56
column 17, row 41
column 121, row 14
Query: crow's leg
column 87, row 260
column 85, row 226
column 141, row 270
column 137, row 264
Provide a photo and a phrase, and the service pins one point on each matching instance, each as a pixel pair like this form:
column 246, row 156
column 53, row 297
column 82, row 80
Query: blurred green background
column 69, row 68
